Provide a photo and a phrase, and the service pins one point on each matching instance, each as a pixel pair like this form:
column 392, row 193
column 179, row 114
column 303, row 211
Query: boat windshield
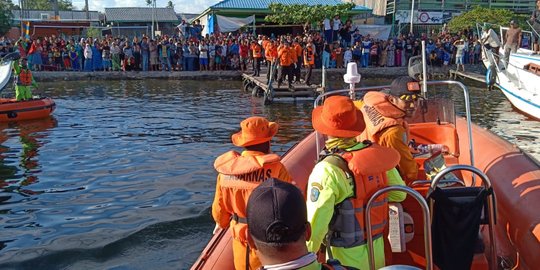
column 436, row 109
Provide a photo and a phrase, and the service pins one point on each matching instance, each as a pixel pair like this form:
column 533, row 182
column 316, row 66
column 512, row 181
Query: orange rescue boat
column 514, row 177
column 13, row 110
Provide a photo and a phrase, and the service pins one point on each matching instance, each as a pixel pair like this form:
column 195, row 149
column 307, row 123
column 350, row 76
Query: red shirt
column 244, row 51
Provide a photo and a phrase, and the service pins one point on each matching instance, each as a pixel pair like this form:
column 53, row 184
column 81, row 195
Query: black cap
column 399, row 86
column 276, row 212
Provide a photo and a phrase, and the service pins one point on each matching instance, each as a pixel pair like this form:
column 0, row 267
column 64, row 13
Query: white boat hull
column 521, row 87
column 5, row 73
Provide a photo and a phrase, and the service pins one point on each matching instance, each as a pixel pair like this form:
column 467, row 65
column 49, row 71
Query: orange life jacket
column 238, row 177
column 309, row 55
column 256, row 49
column 25, row 77
column 379, row 113
column 368, row 167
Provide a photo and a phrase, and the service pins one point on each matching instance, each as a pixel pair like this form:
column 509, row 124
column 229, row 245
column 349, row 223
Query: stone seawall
column 333, row 74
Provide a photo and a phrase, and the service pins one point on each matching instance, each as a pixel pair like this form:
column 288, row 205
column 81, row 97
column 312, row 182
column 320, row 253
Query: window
column 44, row 16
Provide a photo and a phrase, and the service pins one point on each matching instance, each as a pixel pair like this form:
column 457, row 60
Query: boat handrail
column 532, row 28
column 425, row 213
column 491, row 203
column 371, row 88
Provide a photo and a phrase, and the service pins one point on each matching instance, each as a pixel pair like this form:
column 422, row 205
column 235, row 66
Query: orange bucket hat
column 338, row 117
column 255, row 130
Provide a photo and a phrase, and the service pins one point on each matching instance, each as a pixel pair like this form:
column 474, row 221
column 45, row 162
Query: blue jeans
column 88, row 64
column 365, row 59
column 326, row 59
column 165, row 61
column 145, row 62
column 190, row 61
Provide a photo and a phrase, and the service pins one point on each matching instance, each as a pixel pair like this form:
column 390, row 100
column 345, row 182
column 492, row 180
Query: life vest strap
column 238, row 219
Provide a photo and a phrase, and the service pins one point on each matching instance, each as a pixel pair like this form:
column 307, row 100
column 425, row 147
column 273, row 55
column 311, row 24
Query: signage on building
column 423, row 17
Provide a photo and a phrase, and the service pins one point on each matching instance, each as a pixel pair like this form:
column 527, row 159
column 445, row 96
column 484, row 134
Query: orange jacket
column 257, row 50
column 385, row 125
column 298, row 50
column 287, row 56
column 238, row 175
column 271, row 52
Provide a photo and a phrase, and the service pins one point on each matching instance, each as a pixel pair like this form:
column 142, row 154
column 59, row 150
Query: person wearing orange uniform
column 309, row 59
column 256, row 52
column 271, row 55
column 287, row 61
column 385, row 115
column 239, row 174
column 298, row 50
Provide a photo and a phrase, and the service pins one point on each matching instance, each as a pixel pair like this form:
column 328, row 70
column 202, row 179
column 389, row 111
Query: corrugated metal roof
column 140, row 14
column 65, row 15
column 263, row 4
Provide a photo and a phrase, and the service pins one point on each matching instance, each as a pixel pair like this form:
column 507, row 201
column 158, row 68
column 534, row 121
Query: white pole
column 424, row 70
column 412, row 13
column 153, row 21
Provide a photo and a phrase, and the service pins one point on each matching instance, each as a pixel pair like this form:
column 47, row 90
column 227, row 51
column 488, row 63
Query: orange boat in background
column 511, row 237
column 13, row 110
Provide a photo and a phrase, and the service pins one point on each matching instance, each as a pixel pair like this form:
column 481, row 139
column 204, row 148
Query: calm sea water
column 121, row 177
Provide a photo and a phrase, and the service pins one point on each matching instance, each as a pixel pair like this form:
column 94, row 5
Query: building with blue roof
column 259, row 9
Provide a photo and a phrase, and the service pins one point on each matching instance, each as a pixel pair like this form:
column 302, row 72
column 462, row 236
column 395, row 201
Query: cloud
column 180, row 6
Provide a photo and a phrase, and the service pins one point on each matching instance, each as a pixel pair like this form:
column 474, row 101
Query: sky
column 180, row 6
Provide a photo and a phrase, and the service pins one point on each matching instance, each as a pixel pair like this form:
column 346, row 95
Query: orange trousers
column 239, row 253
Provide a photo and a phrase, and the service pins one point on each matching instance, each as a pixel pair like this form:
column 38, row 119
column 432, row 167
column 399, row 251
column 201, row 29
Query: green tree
column 299, row 14
column 6, row 16
column 47, row 4
column 483, row 15
column 93, row 32
column 170, row 4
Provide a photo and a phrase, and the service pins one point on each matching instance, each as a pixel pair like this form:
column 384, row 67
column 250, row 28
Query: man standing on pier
column 286, row 56
column 256, row 51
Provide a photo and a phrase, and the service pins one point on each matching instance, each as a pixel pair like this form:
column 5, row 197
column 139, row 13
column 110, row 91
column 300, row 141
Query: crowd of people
column 188, row 50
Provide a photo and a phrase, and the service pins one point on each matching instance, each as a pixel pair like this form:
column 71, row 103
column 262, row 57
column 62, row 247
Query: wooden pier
column 467, row 75
column 259, row 87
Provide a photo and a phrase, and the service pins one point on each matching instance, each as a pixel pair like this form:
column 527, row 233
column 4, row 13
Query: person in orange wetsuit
column 239, row 174
column 256, row 52
column 385, row 113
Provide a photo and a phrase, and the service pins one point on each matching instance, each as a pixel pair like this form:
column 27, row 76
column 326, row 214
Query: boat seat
column 457, row 215
column 399, row 267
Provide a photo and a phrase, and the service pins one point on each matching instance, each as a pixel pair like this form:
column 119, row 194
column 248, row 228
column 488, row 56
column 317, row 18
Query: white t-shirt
column 212, row 50
column 491, row 38
column 459, row 50
column 337, row 24
column 203, row 50
column 326, row 24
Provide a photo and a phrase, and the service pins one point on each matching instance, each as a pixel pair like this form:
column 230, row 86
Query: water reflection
column 123, row 176
column 31, row 135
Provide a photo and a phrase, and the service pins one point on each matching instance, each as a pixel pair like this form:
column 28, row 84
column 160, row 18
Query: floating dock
column 259, row 87
column 467, row 75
